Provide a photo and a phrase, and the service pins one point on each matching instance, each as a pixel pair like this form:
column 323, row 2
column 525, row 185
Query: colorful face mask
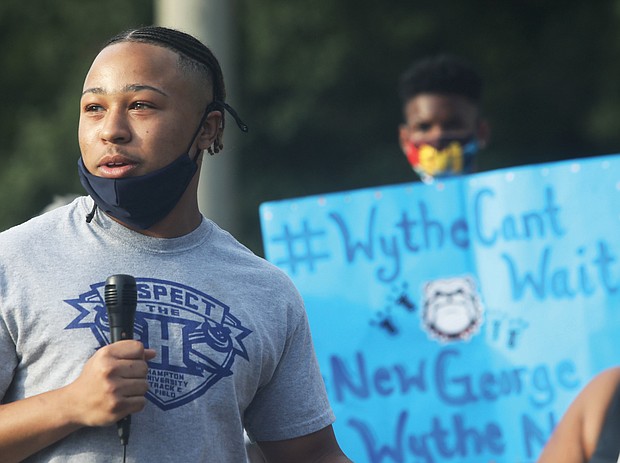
column 444, row 158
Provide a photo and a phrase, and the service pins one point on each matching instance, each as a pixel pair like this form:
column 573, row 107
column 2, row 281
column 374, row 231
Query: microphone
column 121, row 297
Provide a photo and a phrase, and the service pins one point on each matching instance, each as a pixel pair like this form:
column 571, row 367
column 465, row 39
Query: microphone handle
column 123, row 429
column 119, row 333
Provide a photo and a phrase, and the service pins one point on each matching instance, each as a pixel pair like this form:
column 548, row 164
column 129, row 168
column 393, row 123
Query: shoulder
column 239, row 259
column 41, row 225
column 43, row 238
column 576, row 436
column 593, row 403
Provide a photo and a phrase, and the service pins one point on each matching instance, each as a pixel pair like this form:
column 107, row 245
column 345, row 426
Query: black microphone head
column 121, row 297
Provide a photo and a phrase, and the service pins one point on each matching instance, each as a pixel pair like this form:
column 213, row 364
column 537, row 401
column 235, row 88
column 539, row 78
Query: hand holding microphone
column 113, row 382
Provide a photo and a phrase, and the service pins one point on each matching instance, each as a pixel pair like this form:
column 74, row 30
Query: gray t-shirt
column 230, row 331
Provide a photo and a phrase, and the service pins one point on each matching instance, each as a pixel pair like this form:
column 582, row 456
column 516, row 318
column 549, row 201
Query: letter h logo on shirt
column 195, row 347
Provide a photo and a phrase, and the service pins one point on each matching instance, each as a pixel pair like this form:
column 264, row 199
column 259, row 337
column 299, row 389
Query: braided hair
column 193, row 56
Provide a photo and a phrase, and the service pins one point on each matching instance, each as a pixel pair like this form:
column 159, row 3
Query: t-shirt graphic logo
column 195, row 336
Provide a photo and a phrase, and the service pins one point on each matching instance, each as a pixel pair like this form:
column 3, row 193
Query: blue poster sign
column 455, row 322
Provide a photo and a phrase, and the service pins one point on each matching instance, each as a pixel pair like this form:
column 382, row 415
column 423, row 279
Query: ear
column 483, row 133
column 403, row 137
column 211, row 127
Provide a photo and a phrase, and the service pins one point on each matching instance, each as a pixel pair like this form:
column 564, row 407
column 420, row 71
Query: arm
column 318, row 447
column 575, row 437
column 111, row 386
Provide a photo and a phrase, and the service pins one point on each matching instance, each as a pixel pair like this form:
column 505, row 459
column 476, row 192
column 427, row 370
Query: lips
column 116, row 166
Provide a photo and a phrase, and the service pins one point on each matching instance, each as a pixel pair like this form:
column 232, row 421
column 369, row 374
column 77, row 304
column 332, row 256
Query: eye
column 141, row 105
column 423, row 127
column 93, row 108
column 454, row 124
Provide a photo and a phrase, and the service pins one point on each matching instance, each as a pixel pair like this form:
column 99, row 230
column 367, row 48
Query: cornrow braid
column 194, row 54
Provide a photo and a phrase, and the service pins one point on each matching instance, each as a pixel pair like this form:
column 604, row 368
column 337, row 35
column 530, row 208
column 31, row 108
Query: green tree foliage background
column 318, row 81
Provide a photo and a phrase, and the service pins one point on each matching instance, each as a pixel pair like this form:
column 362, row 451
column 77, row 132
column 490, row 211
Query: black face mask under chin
column 143, row 201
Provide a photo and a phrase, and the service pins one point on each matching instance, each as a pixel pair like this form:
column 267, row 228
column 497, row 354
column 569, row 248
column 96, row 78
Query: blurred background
column 316, row 81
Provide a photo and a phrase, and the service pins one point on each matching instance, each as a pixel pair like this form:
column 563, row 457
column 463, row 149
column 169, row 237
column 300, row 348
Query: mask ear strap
column 197, row 131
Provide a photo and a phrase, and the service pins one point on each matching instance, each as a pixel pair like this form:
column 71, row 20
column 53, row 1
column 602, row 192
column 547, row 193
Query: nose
column 115, row 127
column 441, row 136
column 437, row 132
column 431, row 135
